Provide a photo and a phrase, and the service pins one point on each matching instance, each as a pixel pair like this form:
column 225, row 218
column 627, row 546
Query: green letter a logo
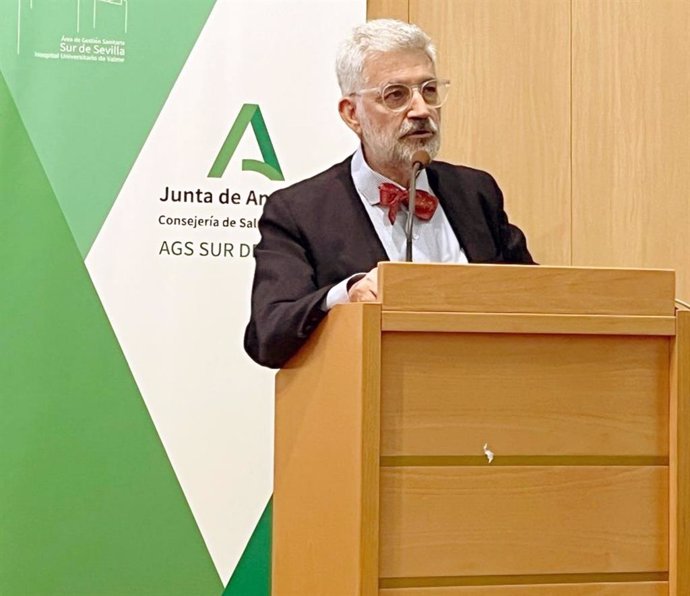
column 269, row 167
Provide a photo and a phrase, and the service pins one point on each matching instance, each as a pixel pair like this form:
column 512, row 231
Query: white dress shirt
column 433, row 240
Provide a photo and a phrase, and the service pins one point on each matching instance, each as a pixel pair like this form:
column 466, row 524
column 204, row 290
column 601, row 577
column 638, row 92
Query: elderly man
column 322, row 238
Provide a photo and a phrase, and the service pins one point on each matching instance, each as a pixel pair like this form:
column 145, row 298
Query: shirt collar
column 367, row 181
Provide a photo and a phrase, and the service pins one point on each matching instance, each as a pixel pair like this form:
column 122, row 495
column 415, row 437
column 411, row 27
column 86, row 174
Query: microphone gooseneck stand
column 420, row 160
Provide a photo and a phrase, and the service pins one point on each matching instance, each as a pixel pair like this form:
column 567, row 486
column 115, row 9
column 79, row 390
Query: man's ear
column 347, row 108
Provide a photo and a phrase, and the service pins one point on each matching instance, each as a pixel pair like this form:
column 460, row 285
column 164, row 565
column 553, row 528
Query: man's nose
column 418, row 107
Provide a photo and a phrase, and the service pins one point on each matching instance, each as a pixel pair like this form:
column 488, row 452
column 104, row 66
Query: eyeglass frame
column 417, row 86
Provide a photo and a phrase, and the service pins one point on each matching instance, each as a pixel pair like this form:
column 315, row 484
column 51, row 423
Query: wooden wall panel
column 509, row 108
column 388, row 9
column 451, row 522
column 611, row 116
column 631, row 134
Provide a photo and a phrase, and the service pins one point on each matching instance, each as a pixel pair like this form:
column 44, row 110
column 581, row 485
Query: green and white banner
column 139, row 140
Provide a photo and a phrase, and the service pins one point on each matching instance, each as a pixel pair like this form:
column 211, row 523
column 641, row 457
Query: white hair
column 377, row 37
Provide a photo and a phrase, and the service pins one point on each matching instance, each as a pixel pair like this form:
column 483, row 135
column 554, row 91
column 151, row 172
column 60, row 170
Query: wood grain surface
column 482, row 521
column 449, row 394
column 631, row 134
column 584, row 589
column 443, row 322
column 679, row 506
column 525, row 289
column 325, row 500
column 388, row 9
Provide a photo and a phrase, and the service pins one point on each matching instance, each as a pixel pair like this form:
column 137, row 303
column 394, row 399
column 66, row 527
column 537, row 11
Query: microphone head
column 422, row 158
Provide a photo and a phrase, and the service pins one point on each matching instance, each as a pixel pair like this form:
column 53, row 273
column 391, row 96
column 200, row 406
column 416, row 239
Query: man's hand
column 366, row 289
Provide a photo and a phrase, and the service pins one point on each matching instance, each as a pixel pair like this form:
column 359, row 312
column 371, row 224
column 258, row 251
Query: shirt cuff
column 338, row 293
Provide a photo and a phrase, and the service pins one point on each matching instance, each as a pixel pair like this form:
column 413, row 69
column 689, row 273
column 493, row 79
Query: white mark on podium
column 489, row 454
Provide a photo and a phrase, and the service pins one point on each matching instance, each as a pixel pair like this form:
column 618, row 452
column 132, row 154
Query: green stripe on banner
column 89, row 504
column 252, row 576
column 89, row 119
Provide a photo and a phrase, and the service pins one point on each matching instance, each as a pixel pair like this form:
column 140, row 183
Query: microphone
column 420, row 160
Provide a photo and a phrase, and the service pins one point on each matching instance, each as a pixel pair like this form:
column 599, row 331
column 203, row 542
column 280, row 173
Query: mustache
column 412, row 126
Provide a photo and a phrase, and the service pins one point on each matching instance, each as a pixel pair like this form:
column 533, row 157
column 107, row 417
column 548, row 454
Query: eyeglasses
column 398, row 96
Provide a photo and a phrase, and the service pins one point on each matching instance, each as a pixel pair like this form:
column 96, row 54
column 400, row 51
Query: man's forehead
column 400, row 66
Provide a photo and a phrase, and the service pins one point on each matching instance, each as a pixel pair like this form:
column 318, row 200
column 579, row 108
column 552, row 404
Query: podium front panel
column 451, row 393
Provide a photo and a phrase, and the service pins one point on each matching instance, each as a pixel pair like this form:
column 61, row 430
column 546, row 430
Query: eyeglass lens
column 397, row 96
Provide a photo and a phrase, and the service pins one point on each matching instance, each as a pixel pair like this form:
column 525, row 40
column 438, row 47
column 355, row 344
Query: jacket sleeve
column 286, row 303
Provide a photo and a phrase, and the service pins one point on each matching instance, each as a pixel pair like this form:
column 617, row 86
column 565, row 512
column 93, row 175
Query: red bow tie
column 392, row 196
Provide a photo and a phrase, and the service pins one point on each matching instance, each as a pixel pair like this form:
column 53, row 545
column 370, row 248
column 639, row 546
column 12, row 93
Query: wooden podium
column 577, row 380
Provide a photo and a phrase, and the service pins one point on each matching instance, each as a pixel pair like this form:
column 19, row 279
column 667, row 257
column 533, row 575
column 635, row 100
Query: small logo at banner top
column 269, row 167
column 65, row 31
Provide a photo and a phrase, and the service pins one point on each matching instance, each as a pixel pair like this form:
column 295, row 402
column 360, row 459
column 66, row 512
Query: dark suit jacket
column 317, row 233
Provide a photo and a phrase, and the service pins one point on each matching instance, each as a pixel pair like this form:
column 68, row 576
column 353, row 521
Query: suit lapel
column 362, row 237
column 464, row 215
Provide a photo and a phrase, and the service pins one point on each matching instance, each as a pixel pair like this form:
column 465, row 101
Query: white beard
column 395, row 148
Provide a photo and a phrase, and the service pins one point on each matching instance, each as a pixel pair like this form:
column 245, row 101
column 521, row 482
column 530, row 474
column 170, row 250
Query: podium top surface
column 516, row 289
